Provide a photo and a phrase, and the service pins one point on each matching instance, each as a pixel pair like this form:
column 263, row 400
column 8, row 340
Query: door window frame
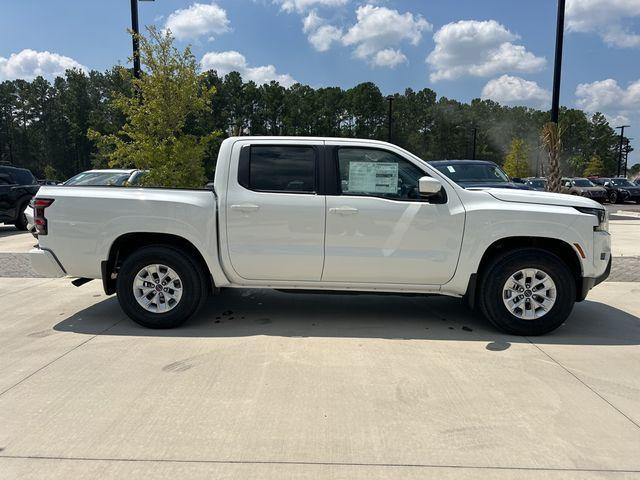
column 244, row 167
column 334, row 186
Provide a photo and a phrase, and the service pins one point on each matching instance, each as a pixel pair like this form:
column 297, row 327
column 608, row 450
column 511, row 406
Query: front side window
column 282, row 169
column 378, row 173
column 583, row 182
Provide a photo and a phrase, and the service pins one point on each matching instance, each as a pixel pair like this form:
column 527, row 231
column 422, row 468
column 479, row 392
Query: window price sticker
column 373, row 177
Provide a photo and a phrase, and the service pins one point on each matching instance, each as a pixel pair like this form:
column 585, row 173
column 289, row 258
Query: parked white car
column 325, row 214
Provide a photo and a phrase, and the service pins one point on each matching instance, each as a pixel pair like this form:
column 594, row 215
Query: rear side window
column 23, row 177
column 287, row 169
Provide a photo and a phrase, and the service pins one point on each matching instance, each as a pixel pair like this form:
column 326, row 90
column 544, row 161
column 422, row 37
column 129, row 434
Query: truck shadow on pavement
column 237, row 313
column 10, row 231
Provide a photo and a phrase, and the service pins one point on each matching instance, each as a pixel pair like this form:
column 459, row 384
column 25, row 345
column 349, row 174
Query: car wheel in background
column 21, row 222
column 527, row 292
column 613, row 197
column 160, row 287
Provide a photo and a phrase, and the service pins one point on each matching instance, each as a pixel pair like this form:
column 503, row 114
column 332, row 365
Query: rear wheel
column 527, row 292
column 160, row 287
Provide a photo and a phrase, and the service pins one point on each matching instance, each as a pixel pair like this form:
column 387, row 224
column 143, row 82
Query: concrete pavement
column 273, row 385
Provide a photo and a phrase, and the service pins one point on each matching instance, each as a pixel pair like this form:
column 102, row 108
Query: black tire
column 490, row 295
column 194, row 289
column 613, row 197
column 21, row 221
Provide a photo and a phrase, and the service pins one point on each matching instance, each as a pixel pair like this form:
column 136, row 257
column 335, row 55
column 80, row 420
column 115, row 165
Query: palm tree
column 551, row 139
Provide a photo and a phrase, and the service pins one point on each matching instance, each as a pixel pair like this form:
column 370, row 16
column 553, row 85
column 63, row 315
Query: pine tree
column 517, row 161
column 595, row 167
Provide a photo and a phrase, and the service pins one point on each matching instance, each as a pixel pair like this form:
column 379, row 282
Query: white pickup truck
column 326, row 214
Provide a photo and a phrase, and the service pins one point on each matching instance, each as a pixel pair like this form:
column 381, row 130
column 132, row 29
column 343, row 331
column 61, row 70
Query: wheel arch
column 501, row 247
column 126, row 244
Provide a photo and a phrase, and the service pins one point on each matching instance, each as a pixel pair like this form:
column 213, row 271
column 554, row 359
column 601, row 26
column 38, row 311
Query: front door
column 380, row 231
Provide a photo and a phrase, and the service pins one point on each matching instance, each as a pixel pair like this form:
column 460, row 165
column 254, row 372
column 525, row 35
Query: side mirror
column 429, row 186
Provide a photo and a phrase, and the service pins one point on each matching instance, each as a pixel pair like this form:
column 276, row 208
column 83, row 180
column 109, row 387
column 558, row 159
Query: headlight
column 600, row 214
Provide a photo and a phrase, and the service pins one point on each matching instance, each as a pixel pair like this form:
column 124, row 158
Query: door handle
column 245, row 207
column 343, row 210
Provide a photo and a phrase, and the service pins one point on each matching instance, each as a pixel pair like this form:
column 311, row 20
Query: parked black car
column 619, row 190
column 17, row 187
column 477, row 173
column 585, row 188
column 536, row 183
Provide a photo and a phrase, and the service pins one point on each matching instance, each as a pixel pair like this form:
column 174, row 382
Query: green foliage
column 595, row 167
column 634, row 170
column 45, row 123
column 517, row 161
column 154, row 135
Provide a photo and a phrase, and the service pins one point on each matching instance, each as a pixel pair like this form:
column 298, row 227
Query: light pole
column 557, row 70
column 135, row 37
column 390, row 119
column 621, row 127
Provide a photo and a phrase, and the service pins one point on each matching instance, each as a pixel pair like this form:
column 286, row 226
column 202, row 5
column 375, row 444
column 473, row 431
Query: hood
column 510, row 185
column 542, row 198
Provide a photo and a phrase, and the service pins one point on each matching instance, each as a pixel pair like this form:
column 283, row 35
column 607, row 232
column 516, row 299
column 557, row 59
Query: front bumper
column 45, row 263
column 589, row 282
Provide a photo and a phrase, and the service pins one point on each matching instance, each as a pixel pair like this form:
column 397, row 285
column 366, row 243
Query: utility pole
column 557, row 70
column 136, row 42
column 626, row 155
column 135, row 37
column 475, row 137
column 621, row 127
column 390, row 118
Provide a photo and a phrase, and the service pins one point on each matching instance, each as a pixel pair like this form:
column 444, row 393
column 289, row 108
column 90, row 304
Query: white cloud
column 388, row 57
column 198, row 20
column 29, row 64
column 304, row 5
column 608, row 97
column 225, row 62
column 607, row 18
column 379, row 28
column 324, row 37
column 512, row 91
column 479, row 48
column 320, row 35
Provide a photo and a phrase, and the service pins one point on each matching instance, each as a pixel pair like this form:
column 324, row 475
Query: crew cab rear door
column 274, row 211
column 379, row 230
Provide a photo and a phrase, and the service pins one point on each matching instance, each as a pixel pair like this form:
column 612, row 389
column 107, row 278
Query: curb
column 627, row 213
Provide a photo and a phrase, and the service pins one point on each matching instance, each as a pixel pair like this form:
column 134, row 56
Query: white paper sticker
column 373, row 177
column 451, row 169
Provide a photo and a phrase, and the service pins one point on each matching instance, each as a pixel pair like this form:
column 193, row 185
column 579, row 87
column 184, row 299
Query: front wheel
column 613, row 197
column 527, row 292
column 160, row 287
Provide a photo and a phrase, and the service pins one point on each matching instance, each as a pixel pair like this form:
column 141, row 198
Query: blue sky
column 499, row 49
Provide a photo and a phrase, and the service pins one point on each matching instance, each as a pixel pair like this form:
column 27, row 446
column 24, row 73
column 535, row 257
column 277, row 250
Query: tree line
column 55, row 127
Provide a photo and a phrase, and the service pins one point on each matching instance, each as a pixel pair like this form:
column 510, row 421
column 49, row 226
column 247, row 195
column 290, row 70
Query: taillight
column 39, row 220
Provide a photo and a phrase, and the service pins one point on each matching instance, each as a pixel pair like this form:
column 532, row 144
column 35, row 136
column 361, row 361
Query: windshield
column 582, row 182
column 98, row 178
column 474, row 172
column 537, row 183
column 622, row 182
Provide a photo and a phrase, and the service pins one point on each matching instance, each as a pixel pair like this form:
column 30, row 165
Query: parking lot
column 273, row 385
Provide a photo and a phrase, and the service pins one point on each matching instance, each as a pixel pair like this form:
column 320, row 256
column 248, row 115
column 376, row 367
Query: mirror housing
column 429, row 186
